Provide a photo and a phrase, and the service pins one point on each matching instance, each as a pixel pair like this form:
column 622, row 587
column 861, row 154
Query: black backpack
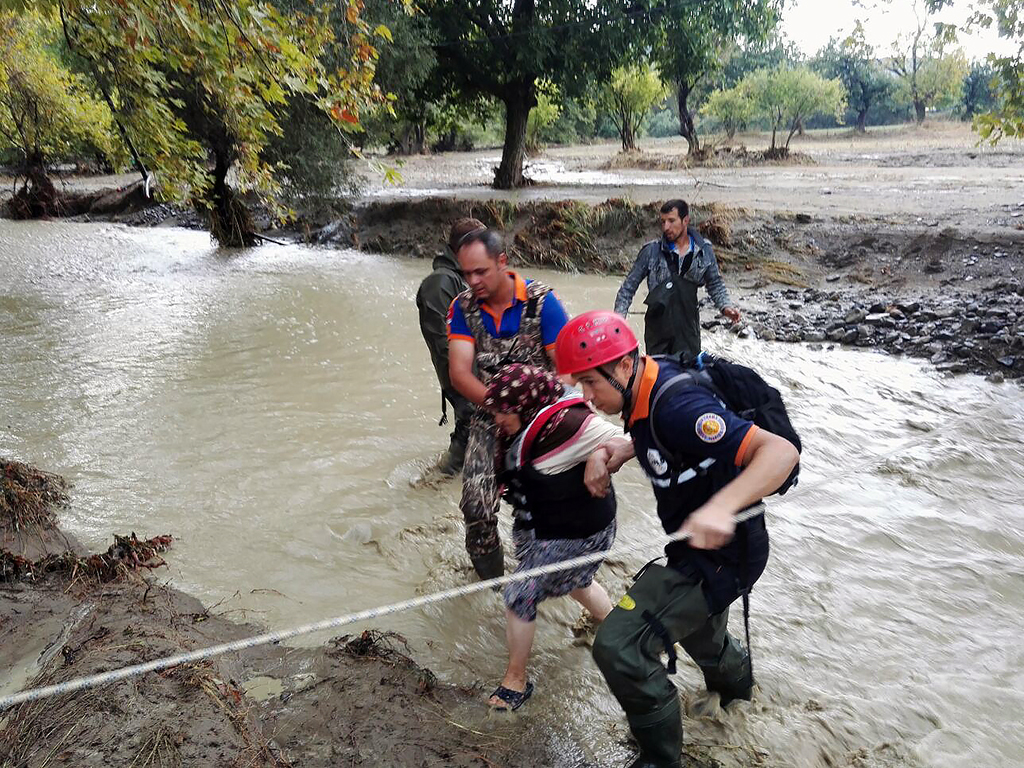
column 744, row 393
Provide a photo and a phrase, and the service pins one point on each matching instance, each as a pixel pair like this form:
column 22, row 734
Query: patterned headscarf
column 525, row 390
column 522, row 389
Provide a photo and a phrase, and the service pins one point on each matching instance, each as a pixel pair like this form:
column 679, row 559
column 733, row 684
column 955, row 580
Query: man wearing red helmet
column 720, row 464
column 499, row 319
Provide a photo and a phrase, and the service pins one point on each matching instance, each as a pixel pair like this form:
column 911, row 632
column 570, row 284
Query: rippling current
column 271, row 409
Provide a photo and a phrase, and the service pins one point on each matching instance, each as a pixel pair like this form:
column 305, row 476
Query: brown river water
column 271, row 409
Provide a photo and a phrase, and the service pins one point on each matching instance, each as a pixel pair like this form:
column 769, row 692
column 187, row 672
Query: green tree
column 787, row 97
column 541, row 116
column 770, row 52
column 853, row 62
column 927, row 74
column 732, row 107
column 503, row 49
column 1006, row 116
column 198, row 83
column 693, row 37
column 47, row 112
column 406, row 70
column 576, row 121
column 627, row 98
column 978, row 92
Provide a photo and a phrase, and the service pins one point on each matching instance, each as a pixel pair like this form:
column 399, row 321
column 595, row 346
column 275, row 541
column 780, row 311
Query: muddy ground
column 269, row 706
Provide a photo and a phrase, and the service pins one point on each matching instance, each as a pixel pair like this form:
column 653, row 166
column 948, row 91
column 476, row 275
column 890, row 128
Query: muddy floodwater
column 272, row 409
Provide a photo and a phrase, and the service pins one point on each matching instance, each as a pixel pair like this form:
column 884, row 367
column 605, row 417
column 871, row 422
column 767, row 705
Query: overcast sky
column 810, row 24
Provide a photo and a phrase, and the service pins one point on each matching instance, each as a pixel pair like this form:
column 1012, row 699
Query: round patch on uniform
column 710, row 427
column 627, row 603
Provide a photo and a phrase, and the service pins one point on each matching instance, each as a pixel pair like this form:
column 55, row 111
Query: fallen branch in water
column 125, row 557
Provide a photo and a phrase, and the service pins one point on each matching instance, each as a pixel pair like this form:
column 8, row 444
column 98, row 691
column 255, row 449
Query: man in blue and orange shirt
column 501, row 318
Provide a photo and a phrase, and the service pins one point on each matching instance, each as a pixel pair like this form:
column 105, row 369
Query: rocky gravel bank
column 959, row 333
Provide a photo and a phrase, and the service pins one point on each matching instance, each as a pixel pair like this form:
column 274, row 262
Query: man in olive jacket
column 433, row 299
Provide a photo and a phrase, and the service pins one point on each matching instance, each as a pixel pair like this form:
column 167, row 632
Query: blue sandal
column 514, row 699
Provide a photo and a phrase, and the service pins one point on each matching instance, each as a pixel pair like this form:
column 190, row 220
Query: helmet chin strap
column 625, row 391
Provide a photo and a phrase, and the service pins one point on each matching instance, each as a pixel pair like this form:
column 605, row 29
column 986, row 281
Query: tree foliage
column 405, row 70
column 769, row 52
column 627, row 98
column 196, row 80
column 693, row 38
column 542, row 116
column 928, row 75
column 1006, row 117
column 504, row 49
column 732, row 108
column 978, row 92
column 46, row 110
column 788, row 96
column 852, row 61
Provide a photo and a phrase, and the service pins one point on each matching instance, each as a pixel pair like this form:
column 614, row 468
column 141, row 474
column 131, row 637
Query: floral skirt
column 522, row 597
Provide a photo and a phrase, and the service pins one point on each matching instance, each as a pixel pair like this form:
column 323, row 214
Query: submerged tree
column 505, row 49
column 46, row 111
column 628, row 97
column 200, row 84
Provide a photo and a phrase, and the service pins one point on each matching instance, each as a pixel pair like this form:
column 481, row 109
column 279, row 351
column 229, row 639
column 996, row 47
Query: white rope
column 156, row 665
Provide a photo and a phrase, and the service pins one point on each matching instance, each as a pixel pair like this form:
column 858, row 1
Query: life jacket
column 526, row 346
column 557, row 506
column 743, row 392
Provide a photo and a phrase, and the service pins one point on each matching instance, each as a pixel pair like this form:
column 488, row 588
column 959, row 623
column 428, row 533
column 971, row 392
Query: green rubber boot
column 730, row 681
column 661, row 742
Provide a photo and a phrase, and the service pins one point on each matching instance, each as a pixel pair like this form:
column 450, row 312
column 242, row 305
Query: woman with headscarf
column 551, row 439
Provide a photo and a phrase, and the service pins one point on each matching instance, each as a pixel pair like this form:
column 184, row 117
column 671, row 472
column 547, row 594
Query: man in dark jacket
column 433, row 299
column 675, row 266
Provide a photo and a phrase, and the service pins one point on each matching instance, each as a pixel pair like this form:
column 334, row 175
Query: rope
column 113, row 676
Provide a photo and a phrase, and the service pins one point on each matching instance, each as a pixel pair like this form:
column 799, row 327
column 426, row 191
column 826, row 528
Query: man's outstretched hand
column 732, row 314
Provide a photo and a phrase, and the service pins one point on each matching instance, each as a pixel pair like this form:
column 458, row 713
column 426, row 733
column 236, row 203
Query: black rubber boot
column 491, row 565
column 661, row 742
column 452, row 460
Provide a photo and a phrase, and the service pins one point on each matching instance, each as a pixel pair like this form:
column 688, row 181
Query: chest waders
column 672, row 319
column 480, row 498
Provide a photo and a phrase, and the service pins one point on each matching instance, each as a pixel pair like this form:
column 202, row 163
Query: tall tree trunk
column 231, row 223
column 628, row 136
column 686, row 127
column 862, row 120
column 517, row 112
column 919, row 109
column 37, row 197
column 799, row 128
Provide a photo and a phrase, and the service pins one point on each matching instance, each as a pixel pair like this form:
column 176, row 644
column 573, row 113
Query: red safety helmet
column 591, row 340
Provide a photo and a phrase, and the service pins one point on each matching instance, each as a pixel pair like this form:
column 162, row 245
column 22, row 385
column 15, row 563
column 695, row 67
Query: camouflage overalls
column 479, row 486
